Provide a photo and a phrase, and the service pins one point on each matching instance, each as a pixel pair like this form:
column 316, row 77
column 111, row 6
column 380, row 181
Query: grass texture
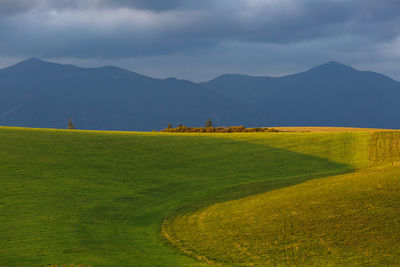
column 95, row 198
column 329, row 129
column 351, row 219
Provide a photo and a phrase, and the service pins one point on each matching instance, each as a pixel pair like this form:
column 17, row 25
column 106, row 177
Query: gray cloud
column 270, row 32
column 17, row 6
column 11, row 7
column 158, row 5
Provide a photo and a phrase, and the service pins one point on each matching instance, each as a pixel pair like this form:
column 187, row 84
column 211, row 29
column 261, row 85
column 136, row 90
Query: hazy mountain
column 42, row 94
column 328, row 95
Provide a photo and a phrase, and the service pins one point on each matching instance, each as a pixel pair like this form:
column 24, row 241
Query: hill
column 36, row 93
column 350, row 219
column 332, row 94
column 100, row 198
column 346, row 220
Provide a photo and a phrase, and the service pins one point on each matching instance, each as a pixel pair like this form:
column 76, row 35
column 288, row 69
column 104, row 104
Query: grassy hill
column 100, row 198
column 350, row 219
column 347, row 220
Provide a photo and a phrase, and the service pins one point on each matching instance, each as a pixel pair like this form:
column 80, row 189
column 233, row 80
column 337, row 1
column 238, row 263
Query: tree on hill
column 70, row 124
column 169, row 125
column 209, row 123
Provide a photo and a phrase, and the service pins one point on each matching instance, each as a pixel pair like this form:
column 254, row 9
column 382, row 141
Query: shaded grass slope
column 99, row 198
column 351, row 219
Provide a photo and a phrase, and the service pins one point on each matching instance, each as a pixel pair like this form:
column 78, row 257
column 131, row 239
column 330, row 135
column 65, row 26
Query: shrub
column 211, row 129
column 70, row 124
column 208, row 123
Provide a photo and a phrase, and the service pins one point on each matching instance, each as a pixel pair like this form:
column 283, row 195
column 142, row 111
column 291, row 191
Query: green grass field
column 350, row 219
column 347, row 220
column 100, row 198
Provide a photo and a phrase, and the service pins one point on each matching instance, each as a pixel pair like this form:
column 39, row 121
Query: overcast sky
column 201, row 39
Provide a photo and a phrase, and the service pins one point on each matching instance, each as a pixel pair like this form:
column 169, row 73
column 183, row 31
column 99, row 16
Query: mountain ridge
column 318, row 67
column 105, row 98
column 38, row 93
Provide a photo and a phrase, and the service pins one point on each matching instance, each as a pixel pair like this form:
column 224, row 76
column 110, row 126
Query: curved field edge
column 350, row 219
column 99, row 198
column 223, row 233
column 173, row 237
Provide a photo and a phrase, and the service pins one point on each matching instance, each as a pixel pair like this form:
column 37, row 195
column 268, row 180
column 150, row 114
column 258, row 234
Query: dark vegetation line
column 209, row 128
column 229, row 129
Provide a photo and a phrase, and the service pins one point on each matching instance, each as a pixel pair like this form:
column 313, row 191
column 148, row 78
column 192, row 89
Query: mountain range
column 35, row 93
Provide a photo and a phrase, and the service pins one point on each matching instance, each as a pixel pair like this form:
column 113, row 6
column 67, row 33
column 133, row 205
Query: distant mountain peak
column 34, row 62
column 38, row 64
column 335, row 64
column 332, row 66
column 332, row 63
column 31, row 60
column 233, row 77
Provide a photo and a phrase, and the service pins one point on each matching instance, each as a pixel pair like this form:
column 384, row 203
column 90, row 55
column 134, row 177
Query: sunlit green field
column 100, row 198
column 350, row 219
column 347, row 220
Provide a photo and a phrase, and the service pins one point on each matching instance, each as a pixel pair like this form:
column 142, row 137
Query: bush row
column 230, row 129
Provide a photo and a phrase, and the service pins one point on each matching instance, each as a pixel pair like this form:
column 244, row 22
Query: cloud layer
column 248, row 36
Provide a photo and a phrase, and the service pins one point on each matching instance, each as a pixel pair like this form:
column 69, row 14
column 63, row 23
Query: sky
column 201, row 39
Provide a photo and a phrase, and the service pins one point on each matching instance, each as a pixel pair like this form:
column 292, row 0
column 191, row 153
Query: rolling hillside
column 347, row 220
column 100, row 198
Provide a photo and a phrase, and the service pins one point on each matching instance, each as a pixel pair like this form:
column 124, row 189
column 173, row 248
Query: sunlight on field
column 100, row 198
column 327, row 129
column 351, row 219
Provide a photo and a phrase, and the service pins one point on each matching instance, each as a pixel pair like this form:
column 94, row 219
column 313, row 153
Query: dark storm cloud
column 158, row 5
column 11, row 7
column 160, row 28
column 154, row 5
column 16, row 6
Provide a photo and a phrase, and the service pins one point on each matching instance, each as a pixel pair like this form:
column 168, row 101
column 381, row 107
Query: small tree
column 70, row 124
column 169, row 125
column 208, row 123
